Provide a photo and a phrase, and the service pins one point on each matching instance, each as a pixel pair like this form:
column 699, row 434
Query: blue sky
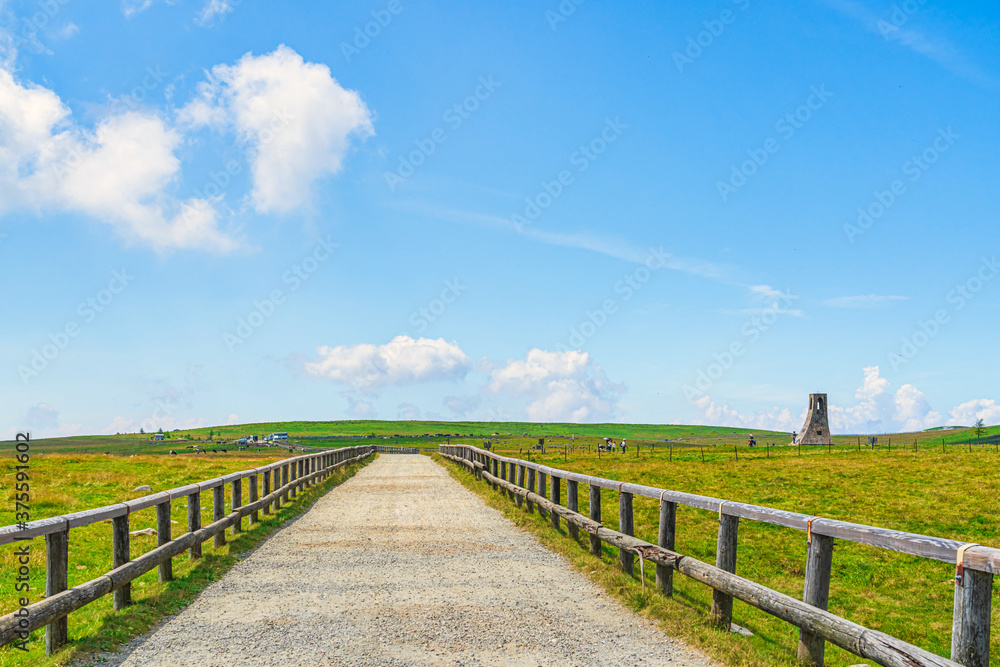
column 214, row 211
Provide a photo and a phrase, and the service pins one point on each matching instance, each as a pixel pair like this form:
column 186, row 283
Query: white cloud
column 877, row 409
column 213, row 10
column 403, row 360
column 967, row 413
column 121, row 424
column 864, row 300
column 937, row 49
column 117, row 173
column 295, row 114
column 43, row 421
column 358, row 408
column 131, row 8
column 559, row 386
column 407, row 411
column 775, row 419
column 233, row 419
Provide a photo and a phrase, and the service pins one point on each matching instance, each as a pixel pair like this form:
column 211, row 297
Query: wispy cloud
column 605, row 245
column 937, row 49
column 864, row 300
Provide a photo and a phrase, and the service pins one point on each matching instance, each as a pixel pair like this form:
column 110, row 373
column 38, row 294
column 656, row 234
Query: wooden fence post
column 194, row 523
column 595, row 515
column 163, row 535
column 554, row 497
column 56, row 581
column 218, row 513
column 292, row 476
column 531, row 487
column 237, row 503
column 520, row 483
column 970, row 629
column 302, row 473
column 254, row 515
column 725, row 559
column 543, row 486
column 819, row 561
column 512, row 478
column 284, row 481
column 503, row 473
column 267, row 490
column 572, row 502
column 625, row 525
column 120, row 556
column 665, row 539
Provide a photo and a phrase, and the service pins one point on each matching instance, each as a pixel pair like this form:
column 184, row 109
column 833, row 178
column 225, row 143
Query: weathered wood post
column 725, row 559
column 56, row 581
column 219, row 513
column 542, row 488
column 237, row 503
column 300, row 487
column 163, row 530
column 970, row 629
column 284, row 482
column 254, row 515
column 665, row 538
column 520, row 483
column 267, row 490
column 120, row 556
column 531, row 487
column 595, row 515
column 292, row 476
column 496, row 470
column 819, row 561
column 554, row 497
column 194, row 523
column 512, row 478
column 625, row 525
column 572, row 503
column 276, row 486
column 503, row 473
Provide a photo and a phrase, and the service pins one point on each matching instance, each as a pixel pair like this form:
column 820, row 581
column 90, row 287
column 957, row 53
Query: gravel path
column 401, row 565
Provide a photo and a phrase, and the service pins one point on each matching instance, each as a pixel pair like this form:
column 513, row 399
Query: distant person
column 623, row 445
column 752, row 442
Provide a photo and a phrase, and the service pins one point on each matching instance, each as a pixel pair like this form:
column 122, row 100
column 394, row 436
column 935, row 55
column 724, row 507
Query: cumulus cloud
column 877, row 409
column 558, row 386
column 775, row 419
column 118, row 173
column 966, row 414
column 297, row 117
column 403, row 360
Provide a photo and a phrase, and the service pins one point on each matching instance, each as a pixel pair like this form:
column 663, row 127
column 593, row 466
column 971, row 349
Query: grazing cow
column 173, row 452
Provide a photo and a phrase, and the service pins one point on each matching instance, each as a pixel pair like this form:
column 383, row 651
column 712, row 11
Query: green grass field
column 955, row 495
column 66, row 483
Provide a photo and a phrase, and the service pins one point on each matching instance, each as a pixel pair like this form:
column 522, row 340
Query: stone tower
column 817, row 427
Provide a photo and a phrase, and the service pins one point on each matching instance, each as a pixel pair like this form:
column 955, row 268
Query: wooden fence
column 281, row 482
column 975, row 564
column 396, row 450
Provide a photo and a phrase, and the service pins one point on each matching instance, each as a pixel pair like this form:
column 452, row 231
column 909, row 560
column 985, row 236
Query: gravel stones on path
column 401, row 565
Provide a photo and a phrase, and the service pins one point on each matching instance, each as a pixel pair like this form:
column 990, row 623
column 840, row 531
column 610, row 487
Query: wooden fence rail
column 975, row 564
column 380, row 449
column 60, row 600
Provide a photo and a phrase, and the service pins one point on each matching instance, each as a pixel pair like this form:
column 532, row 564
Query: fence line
column 380, row 449
column 975, row 564
column 281, row 482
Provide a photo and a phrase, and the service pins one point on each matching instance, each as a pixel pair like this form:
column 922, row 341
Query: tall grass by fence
column 974, row 564
column 268, row 488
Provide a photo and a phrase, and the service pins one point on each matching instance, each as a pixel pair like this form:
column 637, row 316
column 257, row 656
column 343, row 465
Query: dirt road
column 401, row 565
